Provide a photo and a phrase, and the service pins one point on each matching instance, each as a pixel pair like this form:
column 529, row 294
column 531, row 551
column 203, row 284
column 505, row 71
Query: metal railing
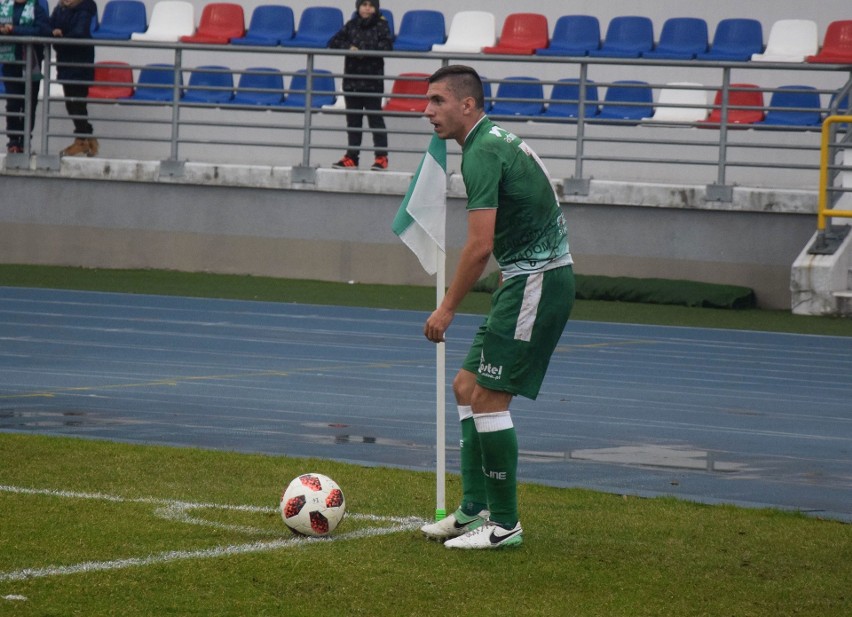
column 835, row 182
column 578, row 149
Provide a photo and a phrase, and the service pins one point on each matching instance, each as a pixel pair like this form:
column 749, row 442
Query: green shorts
column 512, row 348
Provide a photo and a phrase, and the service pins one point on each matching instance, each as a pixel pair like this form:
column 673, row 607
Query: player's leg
column 474, row 498
column 499, row 443
column 527, row 317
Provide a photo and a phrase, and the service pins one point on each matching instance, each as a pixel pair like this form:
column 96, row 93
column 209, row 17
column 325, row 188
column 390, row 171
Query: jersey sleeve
column 482, row 176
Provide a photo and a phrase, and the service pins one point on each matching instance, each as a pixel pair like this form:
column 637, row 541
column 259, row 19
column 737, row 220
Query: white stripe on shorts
column 529, row 307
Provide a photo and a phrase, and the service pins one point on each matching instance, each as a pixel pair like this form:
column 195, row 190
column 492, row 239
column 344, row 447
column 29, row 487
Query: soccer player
column 514, row 213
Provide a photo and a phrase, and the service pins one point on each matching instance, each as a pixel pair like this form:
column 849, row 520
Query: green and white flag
column 420, row 221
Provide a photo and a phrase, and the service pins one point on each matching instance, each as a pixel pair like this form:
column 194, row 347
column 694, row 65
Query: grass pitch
column 116, row 529
column 96, row 528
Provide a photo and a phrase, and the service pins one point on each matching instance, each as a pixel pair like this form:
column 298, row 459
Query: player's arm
column 474, row 258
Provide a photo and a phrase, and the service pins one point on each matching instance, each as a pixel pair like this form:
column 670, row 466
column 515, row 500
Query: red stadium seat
column 837, row 45
column 522, row 34
column 220, row 22
column 740, row 95
column 409, row 93
column 110, row 80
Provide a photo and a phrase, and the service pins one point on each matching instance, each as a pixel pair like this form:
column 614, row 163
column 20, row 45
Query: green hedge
column 652, row 291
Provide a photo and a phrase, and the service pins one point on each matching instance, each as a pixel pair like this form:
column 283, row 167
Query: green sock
column 500, row 465
column 474, row 498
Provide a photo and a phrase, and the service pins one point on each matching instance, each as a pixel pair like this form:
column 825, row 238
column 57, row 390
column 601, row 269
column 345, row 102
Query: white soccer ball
column 313, row 505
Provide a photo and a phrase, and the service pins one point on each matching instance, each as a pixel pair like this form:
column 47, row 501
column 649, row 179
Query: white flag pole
column 440, row 399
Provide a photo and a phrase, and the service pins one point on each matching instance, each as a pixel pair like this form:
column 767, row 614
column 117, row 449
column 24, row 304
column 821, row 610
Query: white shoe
column 454, row 525
column 488, row 535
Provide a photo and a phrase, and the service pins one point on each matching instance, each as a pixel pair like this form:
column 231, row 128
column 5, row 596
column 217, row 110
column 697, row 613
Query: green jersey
column 500, row 171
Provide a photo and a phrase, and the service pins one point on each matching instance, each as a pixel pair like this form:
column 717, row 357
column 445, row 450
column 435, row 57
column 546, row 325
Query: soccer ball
column 313, row 505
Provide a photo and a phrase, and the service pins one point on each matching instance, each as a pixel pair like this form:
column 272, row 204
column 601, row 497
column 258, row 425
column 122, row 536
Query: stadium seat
column 627, row 99
column 211, row 84
column 270, row 24
column 470, row 31
column 573, row 35
column 156, row 83
column 837, row 44
column 627, row 36
column 113, row 80
column 682, row 38
column 316, row 26
column 170, row 20
column 519, row 96
column 794, row 106
column 564, row 100
column 522, row 34
column 790, row 40
column 739, row 96
column 420, row 30
column 322, row 91
column 121, row 18
column 839, row 105
column 220, row 22
column 486, row 93
column 262, row 86
column 408, row 93
column 736, row 39
column 680, row 102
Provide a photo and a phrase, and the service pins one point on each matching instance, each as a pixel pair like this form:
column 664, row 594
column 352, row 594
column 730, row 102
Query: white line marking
column 178, row 510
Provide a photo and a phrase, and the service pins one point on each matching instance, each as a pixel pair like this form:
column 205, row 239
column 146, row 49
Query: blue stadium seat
column 682, row 38
column 627, row 36
column 564, row 100
column 794, row 106
column 270, row 24
column 120, row 19
column 627, row 99
column 573, row 35
column 316, row 26
column 736, row 39
column 156, row 83
column 213, row 84
column 261, row 86
column 420, row 30
column 528, row 89
column 322, row 91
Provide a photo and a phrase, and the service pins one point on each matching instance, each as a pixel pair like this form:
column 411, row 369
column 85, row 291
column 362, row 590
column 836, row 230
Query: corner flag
column 420, row 219
column 420, row 223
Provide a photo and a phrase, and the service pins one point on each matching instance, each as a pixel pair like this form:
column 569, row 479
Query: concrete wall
column 254, row 220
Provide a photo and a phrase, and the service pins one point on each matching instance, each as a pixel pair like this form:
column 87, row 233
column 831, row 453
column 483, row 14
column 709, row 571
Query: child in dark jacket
column 363, row 83
column 72, row 19
column 21, row 18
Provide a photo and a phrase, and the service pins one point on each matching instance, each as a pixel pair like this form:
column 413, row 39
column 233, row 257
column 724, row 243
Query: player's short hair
column 462, row 81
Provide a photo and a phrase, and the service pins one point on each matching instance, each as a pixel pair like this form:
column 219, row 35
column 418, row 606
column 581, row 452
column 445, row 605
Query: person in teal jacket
column 21, row 18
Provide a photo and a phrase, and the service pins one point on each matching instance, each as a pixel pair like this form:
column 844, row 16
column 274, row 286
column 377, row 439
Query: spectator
column 21, row 18
column 368, row 31
column 72, row 19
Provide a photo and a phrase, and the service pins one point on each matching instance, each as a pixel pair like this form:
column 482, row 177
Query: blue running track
column 715, row 416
